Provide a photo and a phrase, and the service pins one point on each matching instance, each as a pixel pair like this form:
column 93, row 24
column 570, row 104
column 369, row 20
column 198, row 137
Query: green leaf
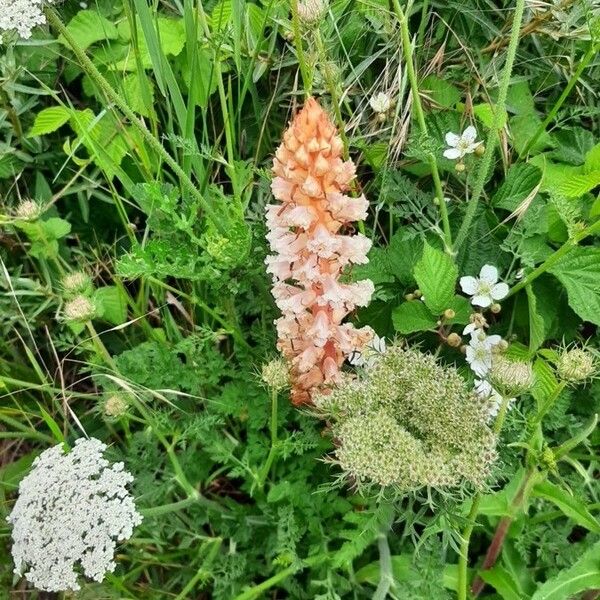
column 401, row 568
column 545, row 383
column 413, row 316
column 537, row 326
column 522, row 128
column 436, row 276
column 592, row 160
column 521, row 182
column 581, row 576
column 485, row 113
column 56, row 228
column 377, row 269
column 88, row 27
column 579, row 272
column 520, row 100
column 502, row 581
column 571, row 506
column 572, row 144
column 463, row 309
column 112, row 304
column 49, row 120
column 403, row 252
column 440, row 91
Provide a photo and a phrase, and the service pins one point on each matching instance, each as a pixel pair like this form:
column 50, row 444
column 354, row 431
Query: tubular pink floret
column 306, row 234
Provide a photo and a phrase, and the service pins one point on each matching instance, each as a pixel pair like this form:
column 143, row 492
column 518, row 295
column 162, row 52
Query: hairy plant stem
column 463, row 557
column 499, row 112
column 585, row 60
column 274, row 441
column 88, row 66
column 554, row 258
column 305, row 72
column 332, row 85
column 418, row 107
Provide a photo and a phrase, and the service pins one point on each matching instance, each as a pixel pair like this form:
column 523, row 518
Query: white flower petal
column 483, row 300
column 452, row 139
column 469, row 134
column 469, row 329
column 499, row 291
column 469, row 285
column 492, row 340
column 489, row 274
column 453, row 153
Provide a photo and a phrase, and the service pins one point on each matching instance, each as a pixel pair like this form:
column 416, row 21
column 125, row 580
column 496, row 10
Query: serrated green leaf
column 521, row 182
column 56, row 228
column 402, row 254
column 545, row 383
column 485, row 113
column 579, row 272
column 88, row 27
column 49, row 120
column 592, row 160
column 436, row 276
column 571, row 506
column 413, row 316
column 583, row 575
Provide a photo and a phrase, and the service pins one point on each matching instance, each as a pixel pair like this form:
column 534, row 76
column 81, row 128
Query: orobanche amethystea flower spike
column 306, row 234
column 71, row 511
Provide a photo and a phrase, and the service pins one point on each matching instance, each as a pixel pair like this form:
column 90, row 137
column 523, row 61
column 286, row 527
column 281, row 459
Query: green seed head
column 576, row 365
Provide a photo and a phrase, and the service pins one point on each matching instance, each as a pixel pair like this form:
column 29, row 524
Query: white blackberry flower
column 71, row 511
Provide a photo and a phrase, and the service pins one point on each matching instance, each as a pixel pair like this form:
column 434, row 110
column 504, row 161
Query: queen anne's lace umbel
column 310, row 252
column 21, row 16
column 72, row 510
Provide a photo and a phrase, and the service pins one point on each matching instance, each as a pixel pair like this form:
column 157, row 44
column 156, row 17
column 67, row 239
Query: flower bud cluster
column 311, row 251
column 409, row 422
column 77, row 289
column 576, row 365
column 509, row 377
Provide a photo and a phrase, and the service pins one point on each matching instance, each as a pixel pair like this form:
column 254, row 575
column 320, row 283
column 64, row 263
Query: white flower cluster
column 72, row 510
column 21, row 16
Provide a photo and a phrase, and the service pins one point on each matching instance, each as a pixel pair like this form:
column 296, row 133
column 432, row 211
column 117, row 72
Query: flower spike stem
column 414, row 86
column 463, row 557
column 490, row 144
column 97, row 77
column 305, row 72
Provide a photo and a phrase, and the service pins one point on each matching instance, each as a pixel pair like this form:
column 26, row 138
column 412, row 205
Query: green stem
column 499, row 113
column 332, row 86
column 202, row 572
column 100, row 347
column 463, row 557
column 258, row 590
column 305, row 72
column 157, row 511
column 94, row 74
column 554, row 258
column 418, row 107
column 386, row 573
column 587, row 57
column 274, row 441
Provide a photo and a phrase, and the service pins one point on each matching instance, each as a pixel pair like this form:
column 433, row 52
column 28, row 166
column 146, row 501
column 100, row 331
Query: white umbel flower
column 480, row 352
column 72, row 510
column 21, row 16
column 485, row 289
column 461, row 145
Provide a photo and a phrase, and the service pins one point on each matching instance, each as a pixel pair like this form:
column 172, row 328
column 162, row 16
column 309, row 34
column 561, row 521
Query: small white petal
column 483, row 300
column 469, row 329
column 499, row 291
column 469, row 134
column 452, row 139
column 469, row 285
column 453, row 153
column 489, row 274
column 492, row 340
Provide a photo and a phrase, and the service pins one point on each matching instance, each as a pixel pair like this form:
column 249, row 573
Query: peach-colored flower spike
column 311, row 253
